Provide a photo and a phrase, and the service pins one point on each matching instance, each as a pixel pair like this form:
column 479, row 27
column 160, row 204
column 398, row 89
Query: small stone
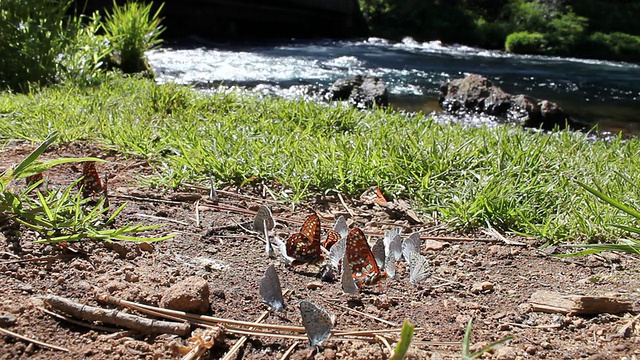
column 7, row 320
column 145, row 246
column 482, row 287
column 531, row 349
column 596, row 357
column 545, row 345
column 621, row 347
column 190, row 295
column 382, row 302
column 504, row 327
column 505, row 353
column 314, row 285
column 433, row 245
column 329, row 354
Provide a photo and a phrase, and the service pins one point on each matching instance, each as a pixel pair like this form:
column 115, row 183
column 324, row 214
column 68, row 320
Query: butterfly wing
column 410, row 246
column 270, row 289
column 346, row 279
column 91, row 183
column 378, row 251
column 341, row 226
column 419, row 268
column 393, row 242
column 317, row 323
column 304, row 246
column 360, row 257
column 332, row 238
column 263, row 220
column 337, row 252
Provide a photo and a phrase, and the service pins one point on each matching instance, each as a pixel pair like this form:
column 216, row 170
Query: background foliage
column 597, row 29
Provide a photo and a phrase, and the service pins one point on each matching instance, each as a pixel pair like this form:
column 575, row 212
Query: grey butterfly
column 317, row 323
column 418, row 268
column 410, row 246
column 262, row 223
column 337, row 253
column 341, row 227
column 388, row 250
column 270, row 289
column 346, row 279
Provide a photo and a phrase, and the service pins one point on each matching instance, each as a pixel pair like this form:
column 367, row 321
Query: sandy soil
column 478, row 276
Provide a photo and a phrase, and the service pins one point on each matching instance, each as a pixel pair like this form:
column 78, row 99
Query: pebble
column 433, row 245
column 621, row 347
column 531, row 349
column 505, row 353
column 596, row 357
column 329, row 354
column 485, row 286
column 190, row 295
column 314, row 285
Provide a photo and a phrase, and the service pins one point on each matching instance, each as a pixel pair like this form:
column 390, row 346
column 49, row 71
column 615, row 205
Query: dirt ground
column 475, row 275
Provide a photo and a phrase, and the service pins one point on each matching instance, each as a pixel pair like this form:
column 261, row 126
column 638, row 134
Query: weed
column 466, row 344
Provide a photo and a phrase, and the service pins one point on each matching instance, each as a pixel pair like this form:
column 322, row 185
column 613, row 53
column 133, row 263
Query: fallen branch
column 554, row 302
column 115, row 317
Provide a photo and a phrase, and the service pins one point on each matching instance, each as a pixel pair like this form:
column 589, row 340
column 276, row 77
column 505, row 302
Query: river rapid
column 602, row 93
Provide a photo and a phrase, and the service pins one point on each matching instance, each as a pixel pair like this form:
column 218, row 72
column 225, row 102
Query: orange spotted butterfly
column 304, row 246
column 91, row 183
column 363, row 263
column 339, row 231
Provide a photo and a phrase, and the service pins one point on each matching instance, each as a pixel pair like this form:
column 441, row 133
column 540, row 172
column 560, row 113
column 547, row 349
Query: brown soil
column 232, row 262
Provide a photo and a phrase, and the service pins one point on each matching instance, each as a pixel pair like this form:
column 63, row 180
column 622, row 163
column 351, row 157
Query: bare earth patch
column 478, row 276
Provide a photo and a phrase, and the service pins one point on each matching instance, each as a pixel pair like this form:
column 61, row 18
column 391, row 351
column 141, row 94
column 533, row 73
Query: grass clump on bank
column 509, row 178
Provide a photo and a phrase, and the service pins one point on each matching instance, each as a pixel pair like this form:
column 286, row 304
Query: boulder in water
column 475, row 93
column 361, row 90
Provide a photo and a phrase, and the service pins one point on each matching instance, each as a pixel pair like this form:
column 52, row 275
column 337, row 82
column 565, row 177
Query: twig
column 345, row 205
column 115, row 317
column 385, row 342
column 287, row 353
column 147, row 199
column 555, row 326
column 624, row 330
column 39, row 343
column 44, row 258
column 79, row 323
column 197, row 214
column 162, row 219
column 362, row 313
column 234, row 349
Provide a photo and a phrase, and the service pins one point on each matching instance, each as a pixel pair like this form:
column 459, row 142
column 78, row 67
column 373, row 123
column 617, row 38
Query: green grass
column 512, row 179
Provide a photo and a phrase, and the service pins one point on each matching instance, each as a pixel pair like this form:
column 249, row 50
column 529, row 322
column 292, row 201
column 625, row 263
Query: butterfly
column 410, row 246
column 33, row 179
column 387, row 250
column 346, row 278
column 304, row 246
column 361, row 259
column 262, row 223
column 339, row 231
column 270, row 289
column 90, row 182
column 418, row 268
column 317, row 323
column 373, row 195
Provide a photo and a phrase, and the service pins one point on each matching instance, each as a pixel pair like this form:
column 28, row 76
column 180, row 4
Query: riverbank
column 465, row 176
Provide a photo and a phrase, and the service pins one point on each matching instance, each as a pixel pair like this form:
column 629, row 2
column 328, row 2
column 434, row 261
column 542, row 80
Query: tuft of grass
column 466, row 344
column 503, row 176
column 133, row 29
column 406, row 335
column 61, row 214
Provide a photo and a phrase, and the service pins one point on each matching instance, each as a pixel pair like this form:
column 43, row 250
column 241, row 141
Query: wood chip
column 554, row 302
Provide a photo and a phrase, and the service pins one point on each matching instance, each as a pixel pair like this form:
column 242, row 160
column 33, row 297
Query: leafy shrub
column 524, row 42
column 133, row 29
column 619, row 46
column 33, row 34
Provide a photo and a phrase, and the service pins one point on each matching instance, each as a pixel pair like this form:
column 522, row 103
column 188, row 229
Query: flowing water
column 598, row 92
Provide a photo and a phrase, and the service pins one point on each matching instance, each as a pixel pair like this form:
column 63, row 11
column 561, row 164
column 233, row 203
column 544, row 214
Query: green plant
column 524, row 42
column 34, row 34
column 624, row 245
column 133, row 29
column 406, row 335
column 466, row 344
column 61, row 215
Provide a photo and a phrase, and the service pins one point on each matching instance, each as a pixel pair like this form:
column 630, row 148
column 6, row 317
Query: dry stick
column 345, row 205
column 45, row 258
column 80, row 323
column 287, row 353
column 203, row 319
column 162, row 219
column 197, row 214
column 385, row 342
column 115, row 317
column 40, row 343
column 136, row 198
column 624, row 330
column 234, row 349
column 363, row 314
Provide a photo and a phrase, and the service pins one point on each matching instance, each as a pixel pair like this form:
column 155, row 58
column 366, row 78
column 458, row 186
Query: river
column 605, row 93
